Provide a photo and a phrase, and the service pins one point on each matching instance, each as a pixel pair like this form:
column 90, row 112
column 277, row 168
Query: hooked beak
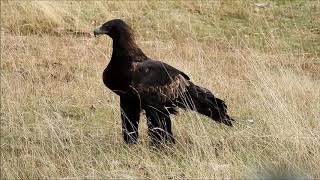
column 99, row 31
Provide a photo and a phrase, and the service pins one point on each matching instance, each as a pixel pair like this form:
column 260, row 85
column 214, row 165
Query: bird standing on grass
column 154, row 86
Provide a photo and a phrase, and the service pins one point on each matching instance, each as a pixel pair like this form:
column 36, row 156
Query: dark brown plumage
column 153, row 86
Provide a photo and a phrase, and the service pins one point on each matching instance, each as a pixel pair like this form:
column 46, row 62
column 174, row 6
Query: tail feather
column 207, row 104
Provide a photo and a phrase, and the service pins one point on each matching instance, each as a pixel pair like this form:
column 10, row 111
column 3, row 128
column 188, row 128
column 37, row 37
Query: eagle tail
column 203, row 101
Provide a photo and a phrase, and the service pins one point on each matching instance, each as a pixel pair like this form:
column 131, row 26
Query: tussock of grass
column 59, row 121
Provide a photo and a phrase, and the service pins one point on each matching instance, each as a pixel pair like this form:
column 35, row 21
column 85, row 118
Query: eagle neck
column 127, row 51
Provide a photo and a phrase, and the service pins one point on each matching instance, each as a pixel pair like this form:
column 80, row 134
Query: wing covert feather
column 157, row 82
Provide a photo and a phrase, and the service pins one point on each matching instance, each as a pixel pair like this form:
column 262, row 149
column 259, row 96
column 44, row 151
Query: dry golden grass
column 58, row 120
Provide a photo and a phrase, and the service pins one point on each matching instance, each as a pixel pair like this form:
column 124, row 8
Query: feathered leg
column 130, row 114
column 159, row 125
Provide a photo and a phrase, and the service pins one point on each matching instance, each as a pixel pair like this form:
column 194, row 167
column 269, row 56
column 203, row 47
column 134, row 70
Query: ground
column 58, row 120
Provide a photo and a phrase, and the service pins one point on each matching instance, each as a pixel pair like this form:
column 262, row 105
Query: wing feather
column 157, row 82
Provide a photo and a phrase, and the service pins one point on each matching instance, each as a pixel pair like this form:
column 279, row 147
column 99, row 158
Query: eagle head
column 115, row 28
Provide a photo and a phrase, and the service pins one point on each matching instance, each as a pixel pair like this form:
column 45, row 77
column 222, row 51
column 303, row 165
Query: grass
column 58, row 120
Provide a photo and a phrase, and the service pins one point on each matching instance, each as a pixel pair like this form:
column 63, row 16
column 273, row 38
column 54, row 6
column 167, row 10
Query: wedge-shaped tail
column 203, row 101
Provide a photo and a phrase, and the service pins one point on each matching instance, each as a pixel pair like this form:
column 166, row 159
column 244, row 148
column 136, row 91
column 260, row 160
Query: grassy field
column 58, row 120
